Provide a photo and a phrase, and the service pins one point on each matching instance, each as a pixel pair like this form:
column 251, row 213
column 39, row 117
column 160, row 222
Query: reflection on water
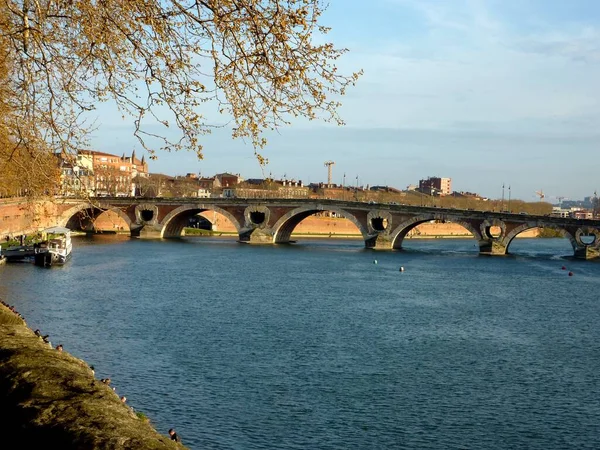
column 313, row 346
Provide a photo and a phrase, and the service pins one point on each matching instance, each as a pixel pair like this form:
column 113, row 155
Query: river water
column 316, row 346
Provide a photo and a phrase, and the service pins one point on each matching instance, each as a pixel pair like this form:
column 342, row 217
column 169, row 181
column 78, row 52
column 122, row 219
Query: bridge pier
column 587, row 252
column 381, row 241
column 146, row 232
column 88, row 228
column 256, row 236
column 491, row 247
column 586, row 241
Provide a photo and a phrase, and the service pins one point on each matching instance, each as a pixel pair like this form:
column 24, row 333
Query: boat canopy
column 57, row 230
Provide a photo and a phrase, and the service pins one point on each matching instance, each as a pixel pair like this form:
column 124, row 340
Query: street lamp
column 509, row 198
column 344, row 188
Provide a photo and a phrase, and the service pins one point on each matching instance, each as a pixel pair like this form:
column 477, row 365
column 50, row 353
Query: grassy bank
column 51, row 399
column 326, row 235
column 201, row 232
column 198, row 232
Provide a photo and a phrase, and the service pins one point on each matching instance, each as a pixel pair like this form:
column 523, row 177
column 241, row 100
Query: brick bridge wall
column 382, row 226
column 19, row 216
column 274, row 220
column 323, row 225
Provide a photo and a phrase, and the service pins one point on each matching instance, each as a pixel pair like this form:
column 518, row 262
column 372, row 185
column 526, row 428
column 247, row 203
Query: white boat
column 56, row 249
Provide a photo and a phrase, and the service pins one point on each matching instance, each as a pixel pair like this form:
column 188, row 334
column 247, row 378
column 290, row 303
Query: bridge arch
column 587, row 231
column 283, row 228
column 486, row 226
column 86, row 213
column 174, row 222
column 529, row 225
column 401, row 230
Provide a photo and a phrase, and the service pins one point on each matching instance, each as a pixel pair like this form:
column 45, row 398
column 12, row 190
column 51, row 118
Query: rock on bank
column 51, row 399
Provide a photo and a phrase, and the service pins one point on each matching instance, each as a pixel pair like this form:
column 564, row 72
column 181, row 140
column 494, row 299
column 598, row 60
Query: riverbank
column 50, row 399
column 329, row 229
column 324, row 226
column 206, row 233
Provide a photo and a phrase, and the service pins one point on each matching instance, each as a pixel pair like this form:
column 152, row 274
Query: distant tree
column 109, row 180
column 183, row 187
column 150, row 186
column 262, row 62
column 549, row 233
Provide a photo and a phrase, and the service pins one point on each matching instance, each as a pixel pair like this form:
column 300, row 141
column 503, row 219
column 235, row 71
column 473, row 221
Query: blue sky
column 486, row 92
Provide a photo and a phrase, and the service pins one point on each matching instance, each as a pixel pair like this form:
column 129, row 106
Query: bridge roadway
column 272, row 221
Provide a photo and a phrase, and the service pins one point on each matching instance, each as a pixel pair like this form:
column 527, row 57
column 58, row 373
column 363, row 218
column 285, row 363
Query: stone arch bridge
column 272, row 221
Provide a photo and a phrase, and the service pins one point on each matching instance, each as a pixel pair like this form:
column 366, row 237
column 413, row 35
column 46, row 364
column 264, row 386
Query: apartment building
column 100, row 174
column 436, row 186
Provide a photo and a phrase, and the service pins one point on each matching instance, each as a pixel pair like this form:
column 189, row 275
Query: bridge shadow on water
column 520, row 249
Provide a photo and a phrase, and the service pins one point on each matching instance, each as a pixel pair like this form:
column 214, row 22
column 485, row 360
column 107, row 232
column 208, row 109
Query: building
column 209, row 184
column 139, row 167
column 100, row 174
column 203, row 193
column 228, row 180
column 76, row 175
column 582, row 214
column 436, row 186
column 574, row 212
column 220, row 185
column 114, row 176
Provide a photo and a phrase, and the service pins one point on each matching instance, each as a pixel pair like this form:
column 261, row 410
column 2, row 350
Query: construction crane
column 328, row 164
column 540, row 194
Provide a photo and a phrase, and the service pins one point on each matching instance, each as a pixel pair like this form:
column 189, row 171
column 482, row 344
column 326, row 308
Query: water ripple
column 315, row 347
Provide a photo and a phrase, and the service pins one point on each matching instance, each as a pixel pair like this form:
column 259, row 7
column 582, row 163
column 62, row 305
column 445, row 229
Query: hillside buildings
column 588, row 208
column 103, row 174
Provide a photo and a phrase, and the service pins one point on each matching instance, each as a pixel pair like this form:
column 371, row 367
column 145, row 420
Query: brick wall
column 18, row 216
